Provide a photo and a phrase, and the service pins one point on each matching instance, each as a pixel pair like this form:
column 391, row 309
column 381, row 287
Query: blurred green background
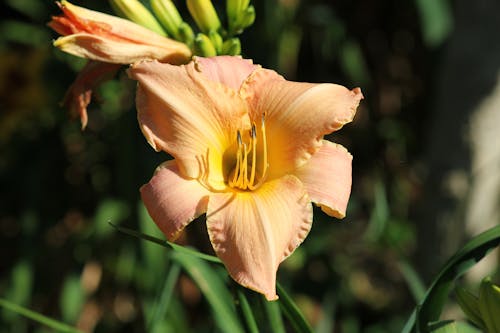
column 425, row 171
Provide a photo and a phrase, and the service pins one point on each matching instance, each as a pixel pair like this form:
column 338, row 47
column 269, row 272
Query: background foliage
column 61, row 187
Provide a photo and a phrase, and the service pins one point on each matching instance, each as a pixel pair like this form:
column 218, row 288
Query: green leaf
column 167, row 244
column 165, row 297
column 213, row 288
column 489, row 305
column 414, row 282
column 189, row 260
column 435, row 19
column 274, row 315
column 109, row 211
column 47, row 321
column 470, row 306
column 379, row 215
column 247, row 312
column 292, row 312
column 72, row 298
column 431, row 306
column 450, row 326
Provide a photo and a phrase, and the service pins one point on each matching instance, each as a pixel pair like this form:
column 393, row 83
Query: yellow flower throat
column 244, row 175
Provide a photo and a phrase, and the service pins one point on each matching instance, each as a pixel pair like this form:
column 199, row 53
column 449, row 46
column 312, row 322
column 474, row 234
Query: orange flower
column 110, row 40
column 249, row 152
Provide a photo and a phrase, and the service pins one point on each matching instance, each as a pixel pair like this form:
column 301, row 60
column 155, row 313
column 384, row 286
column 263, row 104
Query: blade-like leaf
column 470, row 306
column 450, row 326
column 274, row 314
column 38, row 317
column 430, row 307
column 213, row 288
column 164, row 298
column 167, row 244
column 247, row 312
column 287, row 305
column 489, row 305
column 292, row 312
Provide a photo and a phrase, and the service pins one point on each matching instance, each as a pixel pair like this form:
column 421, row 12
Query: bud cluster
column 211, row 40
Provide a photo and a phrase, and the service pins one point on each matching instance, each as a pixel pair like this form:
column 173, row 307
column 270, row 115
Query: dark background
column 428, row 70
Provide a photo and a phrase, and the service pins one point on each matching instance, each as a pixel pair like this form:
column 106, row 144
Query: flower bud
column 248, row 17
column 168, row 15
column 135, row 11
column 186, row 34
column 203, row 46
column 234, row 8
column 216, row 40
column 204, row 14
column 231, row 47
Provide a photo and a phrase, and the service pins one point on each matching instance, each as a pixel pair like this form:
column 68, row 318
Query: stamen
column 238, row 160
column 253, row 140
column 240, row 178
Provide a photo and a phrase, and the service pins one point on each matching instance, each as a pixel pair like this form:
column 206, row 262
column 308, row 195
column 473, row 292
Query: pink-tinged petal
column 253, row 232
column 228, row 70
column 298, row 115
column 173, row 201
column 108, row 38
column 327, row 177
column 99, row 48
column 79, row 94
column 185, row 114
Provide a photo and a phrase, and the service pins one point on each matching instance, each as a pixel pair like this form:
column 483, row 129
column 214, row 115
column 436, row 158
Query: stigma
column 244, row 175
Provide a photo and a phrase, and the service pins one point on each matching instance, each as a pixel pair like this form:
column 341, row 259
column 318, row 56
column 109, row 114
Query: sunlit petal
column 252, row 232
column 327, row 178
column 230, row 71
column 79, row 94
column 189, row 116
column 297, row 115
column 173, row 201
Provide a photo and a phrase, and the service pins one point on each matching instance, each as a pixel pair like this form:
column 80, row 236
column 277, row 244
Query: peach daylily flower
column 109, row 40
column 249, row 152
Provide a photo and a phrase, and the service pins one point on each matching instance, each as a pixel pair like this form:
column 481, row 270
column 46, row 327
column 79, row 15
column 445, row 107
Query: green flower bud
column 216, row 40
column 231, row 47
column 489, row 305
column 203, row 46
column 204, row 14
column 135, row 11
column 248, row 17
column 242, row 21
column 186, row 34
column 168, row 15
column 234, row 8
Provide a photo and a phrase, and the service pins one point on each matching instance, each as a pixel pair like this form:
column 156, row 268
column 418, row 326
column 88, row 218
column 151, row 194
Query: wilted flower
column 249, row 152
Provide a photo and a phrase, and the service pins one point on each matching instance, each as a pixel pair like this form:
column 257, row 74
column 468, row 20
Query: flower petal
column 79, row 93
column 99, row 48
column 253, row 232
column 183, row 113
column 327, row 177
column 297, row 115
column 228, row 70
column 108, row 38
column 173, row 201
